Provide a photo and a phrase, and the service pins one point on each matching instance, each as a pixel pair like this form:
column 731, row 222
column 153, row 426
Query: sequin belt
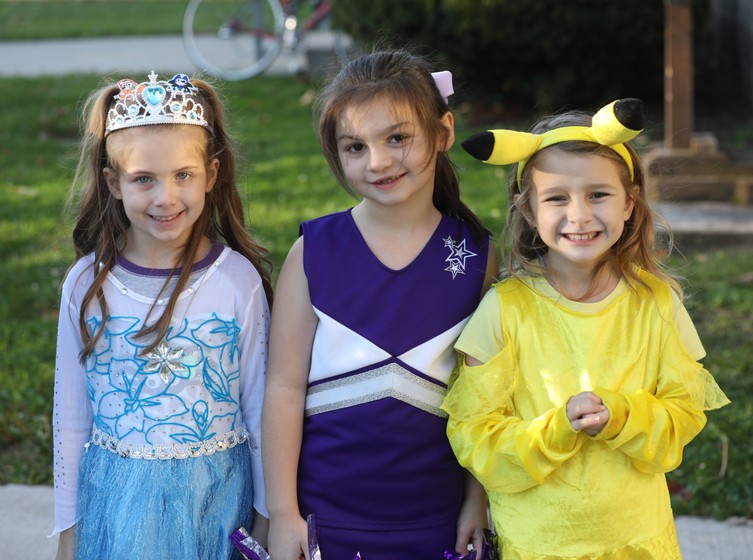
column 172, row 451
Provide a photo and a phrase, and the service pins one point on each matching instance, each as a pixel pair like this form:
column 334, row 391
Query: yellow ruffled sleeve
column 653, row 429
column 504, row 452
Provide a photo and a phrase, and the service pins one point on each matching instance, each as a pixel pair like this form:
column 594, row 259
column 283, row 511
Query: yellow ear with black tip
column 611, row 126
column 618, row 122
column 502, row 147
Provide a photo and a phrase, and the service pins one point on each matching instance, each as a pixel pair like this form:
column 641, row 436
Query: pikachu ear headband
column 611, row 126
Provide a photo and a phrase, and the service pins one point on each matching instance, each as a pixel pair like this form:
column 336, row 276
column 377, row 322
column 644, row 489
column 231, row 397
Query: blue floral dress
column 157, row 454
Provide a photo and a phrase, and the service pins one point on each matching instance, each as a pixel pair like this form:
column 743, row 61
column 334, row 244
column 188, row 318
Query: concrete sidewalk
column 93, row 56
column 26, row 519
column 137, row 55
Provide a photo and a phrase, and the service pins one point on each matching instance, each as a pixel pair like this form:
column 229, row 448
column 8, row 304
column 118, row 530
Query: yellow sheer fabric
column 663, row 546
column 557, row 493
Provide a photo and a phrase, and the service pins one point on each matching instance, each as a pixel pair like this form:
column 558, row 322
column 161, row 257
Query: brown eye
column 355, row 148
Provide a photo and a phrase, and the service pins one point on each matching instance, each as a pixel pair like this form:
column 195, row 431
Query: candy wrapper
column 488, row 550
column 247, row 545
column 314, row 551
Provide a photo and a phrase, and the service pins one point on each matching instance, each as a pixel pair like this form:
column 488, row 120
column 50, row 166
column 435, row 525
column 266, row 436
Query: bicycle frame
column 239, row 39
column 290, row 8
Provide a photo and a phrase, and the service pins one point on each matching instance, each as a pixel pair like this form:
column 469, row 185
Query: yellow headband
column 611, row 126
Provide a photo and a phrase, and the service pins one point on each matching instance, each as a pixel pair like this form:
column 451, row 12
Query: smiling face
column 385, row 154
column 162, row 179
column 580, row 205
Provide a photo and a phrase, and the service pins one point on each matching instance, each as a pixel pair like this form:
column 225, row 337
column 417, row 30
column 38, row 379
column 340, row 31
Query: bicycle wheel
column 233, row 39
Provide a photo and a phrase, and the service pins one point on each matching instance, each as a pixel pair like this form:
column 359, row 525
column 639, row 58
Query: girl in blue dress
column 162, row 337
column 370, row 302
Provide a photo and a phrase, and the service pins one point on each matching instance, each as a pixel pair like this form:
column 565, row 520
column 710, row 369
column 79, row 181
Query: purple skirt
column 424, row 544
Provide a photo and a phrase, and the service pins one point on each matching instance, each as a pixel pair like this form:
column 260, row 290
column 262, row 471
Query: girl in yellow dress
column 579, row 382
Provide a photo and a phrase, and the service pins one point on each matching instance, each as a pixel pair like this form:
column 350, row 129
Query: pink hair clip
column 443, row 80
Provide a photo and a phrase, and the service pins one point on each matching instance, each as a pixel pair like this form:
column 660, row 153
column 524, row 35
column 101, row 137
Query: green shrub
column 533, row 54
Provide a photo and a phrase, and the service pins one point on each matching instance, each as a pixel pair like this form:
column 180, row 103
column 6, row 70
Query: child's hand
column 473, row 518
column 288, row 538
column 587, row 413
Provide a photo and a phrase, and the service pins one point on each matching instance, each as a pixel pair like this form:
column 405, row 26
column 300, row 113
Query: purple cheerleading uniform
column 376, row 468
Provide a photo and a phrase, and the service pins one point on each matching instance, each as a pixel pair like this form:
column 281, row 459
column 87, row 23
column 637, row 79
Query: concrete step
column 703, row 226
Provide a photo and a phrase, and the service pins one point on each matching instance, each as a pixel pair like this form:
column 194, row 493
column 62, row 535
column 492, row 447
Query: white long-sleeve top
column 198, row 392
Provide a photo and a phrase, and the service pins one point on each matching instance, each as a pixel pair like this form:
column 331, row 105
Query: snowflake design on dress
column 458, row 255
column 165, row 361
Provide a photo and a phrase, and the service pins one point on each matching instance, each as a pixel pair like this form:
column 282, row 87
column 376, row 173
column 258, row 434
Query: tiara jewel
column 155, row 102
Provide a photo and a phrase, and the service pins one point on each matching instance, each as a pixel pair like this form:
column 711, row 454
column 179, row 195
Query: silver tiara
column 155, row 102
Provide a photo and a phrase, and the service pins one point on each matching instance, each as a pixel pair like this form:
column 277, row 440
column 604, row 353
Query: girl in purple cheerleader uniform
column 370, row 302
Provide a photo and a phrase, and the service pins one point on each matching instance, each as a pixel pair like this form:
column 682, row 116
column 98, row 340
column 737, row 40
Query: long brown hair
column 636, row 248
column 406, row 81
column 101, row 222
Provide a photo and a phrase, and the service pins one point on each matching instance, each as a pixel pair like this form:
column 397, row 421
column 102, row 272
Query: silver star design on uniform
column 165, row 360
column 460, row 253
column 454, row 268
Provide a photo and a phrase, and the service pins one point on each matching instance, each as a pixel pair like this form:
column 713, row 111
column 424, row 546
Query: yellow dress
column 560, row 494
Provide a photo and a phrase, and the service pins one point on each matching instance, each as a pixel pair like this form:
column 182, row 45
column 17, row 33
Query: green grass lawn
column 45, row 19
column 52, row 19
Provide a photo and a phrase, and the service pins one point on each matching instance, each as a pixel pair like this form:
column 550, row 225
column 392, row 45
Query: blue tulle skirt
column 177, row 508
